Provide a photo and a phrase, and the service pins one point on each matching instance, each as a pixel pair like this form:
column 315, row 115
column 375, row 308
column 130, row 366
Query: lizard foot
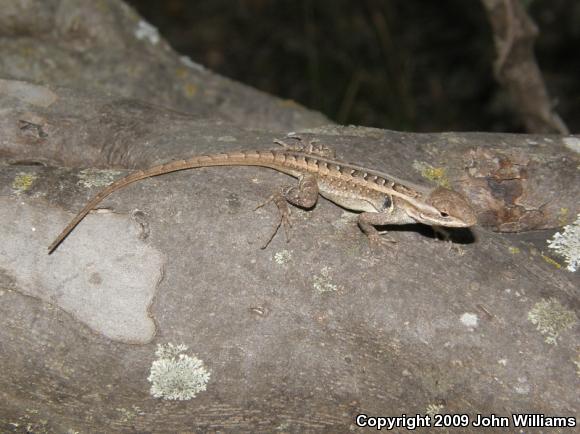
column 380, row 242
column 445, row 236
column 441, row 232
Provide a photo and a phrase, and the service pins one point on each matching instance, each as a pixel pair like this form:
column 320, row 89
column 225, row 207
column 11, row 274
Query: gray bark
column 302, row 336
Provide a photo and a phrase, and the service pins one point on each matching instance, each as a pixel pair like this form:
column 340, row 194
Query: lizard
column 379, row 198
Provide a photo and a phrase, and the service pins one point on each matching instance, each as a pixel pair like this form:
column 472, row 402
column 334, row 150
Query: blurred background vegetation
column 415, row 65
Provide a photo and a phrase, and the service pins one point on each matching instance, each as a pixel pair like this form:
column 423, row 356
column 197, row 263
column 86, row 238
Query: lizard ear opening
column 388, row 202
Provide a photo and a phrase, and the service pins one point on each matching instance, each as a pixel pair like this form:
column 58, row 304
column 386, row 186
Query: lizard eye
column 444, row 214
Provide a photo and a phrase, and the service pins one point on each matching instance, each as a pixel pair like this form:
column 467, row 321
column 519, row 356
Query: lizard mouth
column 468, row 218
column 450, row 222
column 458, row 224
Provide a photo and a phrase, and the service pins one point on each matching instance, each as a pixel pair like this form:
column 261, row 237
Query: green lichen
column 23, row 181
column 190, row 89
column 551, row 319
column 177, row 376
column 436, row 174
column 563, row 216
column 551, row 261
column 514, row 250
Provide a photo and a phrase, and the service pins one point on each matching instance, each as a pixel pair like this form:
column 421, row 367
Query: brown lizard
column 380, row 199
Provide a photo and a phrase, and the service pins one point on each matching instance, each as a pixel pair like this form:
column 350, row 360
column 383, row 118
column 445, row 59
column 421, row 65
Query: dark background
column 415, row 65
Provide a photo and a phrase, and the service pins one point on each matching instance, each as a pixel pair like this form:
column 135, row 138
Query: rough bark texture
column 302, row 336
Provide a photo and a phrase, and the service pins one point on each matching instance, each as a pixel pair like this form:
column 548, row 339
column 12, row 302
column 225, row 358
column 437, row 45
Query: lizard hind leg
column 284, row 218
column 304, row 195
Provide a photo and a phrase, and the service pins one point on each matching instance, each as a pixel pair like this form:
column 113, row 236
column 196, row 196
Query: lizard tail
column 254, row 158
column 92, row 204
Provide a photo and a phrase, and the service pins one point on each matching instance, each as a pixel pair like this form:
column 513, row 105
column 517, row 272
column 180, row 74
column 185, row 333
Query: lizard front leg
column 303, row 195
column 393, row 216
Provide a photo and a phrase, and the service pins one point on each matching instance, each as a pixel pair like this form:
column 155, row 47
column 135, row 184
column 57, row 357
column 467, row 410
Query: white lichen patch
column 572, row 143
column 469, row 319
column 282, row 257
column 177, row 376
column 169, row 350
column 146, row 31
column 186, row 60
column 23, row 182
column 96, row 178
column 29, row 422
column 433, row 409
column 567, row 244
column 127, row 415
column 323, row 282
column 551, row 319
column 523, row 387
column 577, row 364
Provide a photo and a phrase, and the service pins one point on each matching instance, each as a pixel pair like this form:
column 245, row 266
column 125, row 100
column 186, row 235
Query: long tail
column 252, row 158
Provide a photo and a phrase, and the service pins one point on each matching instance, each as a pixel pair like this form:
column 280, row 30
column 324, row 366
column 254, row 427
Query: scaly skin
column 380, row 198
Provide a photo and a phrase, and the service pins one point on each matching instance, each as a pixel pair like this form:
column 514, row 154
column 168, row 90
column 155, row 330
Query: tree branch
column 516, row 68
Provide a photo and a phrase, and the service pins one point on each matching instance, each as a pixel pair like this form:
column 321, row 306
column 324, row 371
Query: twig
column 516, row 67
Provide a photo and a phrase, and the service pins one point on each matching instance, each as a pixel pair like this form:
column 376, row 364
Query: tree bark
column 300, row 337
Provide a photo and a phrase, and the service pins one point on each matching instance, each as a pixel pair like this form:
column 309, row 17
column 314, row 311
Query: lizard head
column 447, row 208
